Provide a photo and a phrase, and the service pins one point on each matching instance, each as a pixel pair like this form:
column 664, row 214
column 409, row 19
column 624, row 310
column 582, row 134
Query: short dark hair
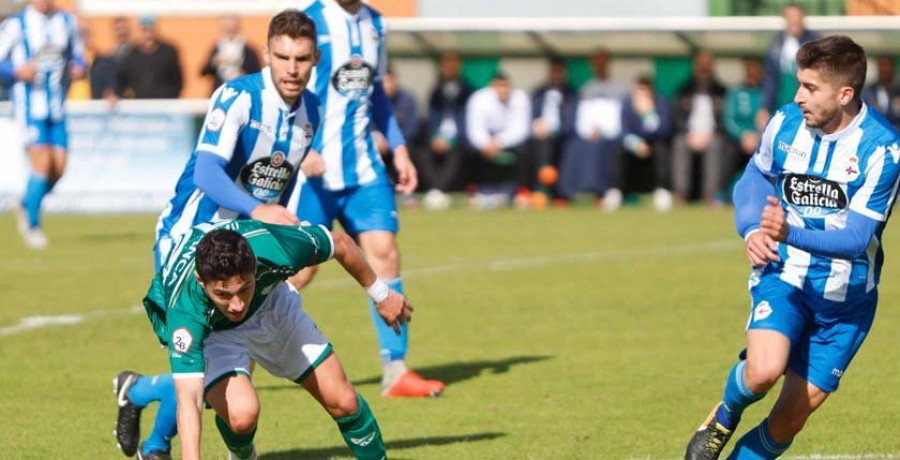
column 293, row 23
column 222, row 254
column 838, row 57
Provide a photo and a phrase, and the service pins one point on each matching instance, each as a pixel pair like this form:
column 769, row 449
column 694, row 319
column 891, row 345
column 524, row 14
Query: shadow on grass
column 460, row 372
column 447, row 373
column 328, row 453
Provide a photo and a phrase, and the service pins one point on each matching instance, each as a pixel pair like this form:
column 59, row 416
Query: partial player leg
column 329, row 385
column 237, row 412
column 380, row 248
column 304, row 277
column 748, row 381
column 771, row 438
column 58, row 162
column 35, row 191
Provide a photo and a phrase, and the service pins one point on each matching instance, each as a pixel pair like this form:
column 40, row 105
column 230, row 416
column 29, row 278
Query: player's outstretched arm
column 189, row 393
column 390, row 305
column 845, row 243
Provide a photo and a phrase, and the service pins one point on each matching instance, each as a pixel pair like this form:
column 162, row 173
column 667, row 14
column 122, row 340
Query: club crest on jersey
column 266, row 178
column 813, row 196
column 216, row 120
column 353, row 78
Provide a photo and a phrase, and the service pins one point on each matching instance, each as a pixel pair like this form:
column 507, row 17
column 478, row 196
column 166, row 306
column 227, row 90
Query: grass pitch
column 561, row 334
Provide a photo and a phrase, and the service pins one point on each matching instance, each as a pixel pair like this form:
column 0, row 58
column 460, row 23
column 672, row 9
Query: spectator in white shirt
column 498, row 124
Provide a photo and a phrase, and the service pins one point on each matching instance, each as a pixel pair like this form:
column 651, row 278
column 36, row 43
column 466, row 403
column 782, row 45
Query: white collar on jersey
column 272, row 93
column 850, row 128
column 352, row 17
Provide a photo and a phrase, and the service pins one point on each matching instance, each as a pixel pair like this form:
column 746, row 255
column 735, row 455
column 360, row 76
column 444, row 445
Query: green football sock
column 240, row 444
column 361, row 433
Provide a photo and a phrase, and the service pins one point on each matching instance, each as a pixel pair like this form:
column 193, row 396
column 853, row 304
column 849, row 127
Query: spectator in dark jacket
column 441, row 163
column 646, row 127
column 553, row 115
column 698, row 134
column 738, row 119
column 780, row 79
column 231, row 56
column 152, row 70
column 884, row 94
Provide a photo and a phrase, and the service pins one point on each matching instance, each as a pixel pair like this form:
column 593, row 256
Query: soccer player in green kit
column 221, row 300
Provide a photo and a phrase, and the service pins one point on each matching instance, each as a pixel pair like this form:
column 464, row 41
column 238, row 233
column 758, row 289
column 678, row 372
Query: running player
column 816, row 249
column 41, row 49
column 221, row 300
column 347, row 179
column 257, row 131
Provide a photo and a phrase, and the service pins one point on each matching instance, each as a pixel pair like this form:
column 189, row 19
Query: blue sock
column 34, row 195
column 391, row 346
column 758, row 444
column 736, row 398
column 148, row 389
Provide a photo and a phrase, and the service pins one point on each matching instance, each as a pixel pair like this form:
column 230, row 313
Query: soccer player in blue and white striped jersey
column 41, row 49
column 354, row 186
column 257, row 131
column 811, row 206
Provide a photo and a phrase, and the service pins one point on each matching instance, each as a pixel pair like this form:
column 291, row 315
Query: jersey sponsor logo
column 228, row 94
column 262, row 127
column 182, row 340
column 266, row 178
column 49, row 58
column 813, row 196
column 365, row 440
column 353, row 78
column 791, row 150
column 762, row 311
column 216, row 120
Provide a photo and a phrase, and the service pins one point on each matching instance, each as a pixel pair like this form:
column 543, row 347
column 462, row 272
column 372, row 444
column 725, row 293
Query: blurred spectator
column 884, row 94
column 404, row 105
column 498, row 122
column 553, row 116
column 698, row 135
column 646, row 127
column 598, row 123
column 122, row 38
column 152, row 70
column 741, row 105
column 780, row 79
column 231, row 57
column 440, row 164
column 102, row 71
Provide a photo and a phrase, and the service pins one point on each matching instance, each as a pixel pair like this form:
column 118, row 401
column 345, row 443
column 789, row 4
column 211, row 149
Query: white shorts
column 280, row 337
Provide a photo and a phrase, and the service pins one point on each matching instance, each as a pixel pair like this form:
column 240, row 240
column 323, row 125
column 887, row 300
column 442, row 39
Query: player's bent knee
column 344, row 403
column 763, row 374
column 243, row 422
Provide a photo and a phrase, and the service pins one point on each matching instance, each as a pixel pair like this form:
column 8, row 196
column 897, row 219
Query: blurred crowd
column 505, row 146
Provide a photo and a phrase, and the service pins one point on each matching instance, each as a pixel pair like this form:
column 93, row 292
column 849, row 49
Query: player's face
column 821, row 99
column 232, row 296
column 291, row 61
column 42, row 5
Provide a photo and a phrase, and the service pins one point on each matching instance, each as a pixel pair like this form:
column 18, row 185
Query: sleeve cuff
column 330, row 240
column 188, row 375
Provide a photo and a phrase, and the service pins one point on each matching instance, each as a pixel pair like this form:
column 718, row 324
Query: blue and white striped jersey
column 52, row 41
column 354, row 56
column 262, row 139
column 819, row 178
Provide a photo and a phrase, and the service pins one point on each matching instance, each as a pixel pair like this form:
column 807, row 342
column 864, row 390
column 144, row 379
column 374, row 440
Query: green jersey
column 739, row 115
column 181, row 313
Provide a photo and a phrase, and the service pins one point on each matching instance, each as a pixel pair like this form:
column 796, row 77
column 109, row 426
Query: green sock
column 240, row 444
column 361, row 433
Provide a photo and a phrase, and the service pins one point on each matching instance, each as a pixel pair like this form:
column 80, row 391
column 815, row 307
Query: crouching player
column 222, row 300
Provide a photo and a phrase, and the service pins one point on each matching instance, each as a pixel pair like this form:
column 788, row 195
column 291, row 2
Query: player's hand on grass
column 274, row 214
column 761, row 249
column 407, row 176
column 395, row 310
column 26, row 72
column 313, row 165
column 773, row 221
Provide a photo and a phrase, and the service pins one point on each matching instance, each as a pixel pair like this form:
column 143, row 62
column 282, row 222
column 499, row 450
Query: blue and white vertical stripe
column 862, row 160
column 354, row 56
column 247, row 122
column 52, row 42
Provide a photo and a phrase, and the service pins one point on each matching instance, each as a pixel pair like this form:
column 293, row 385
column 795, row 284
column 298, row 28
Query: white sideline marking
column 31, row 323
